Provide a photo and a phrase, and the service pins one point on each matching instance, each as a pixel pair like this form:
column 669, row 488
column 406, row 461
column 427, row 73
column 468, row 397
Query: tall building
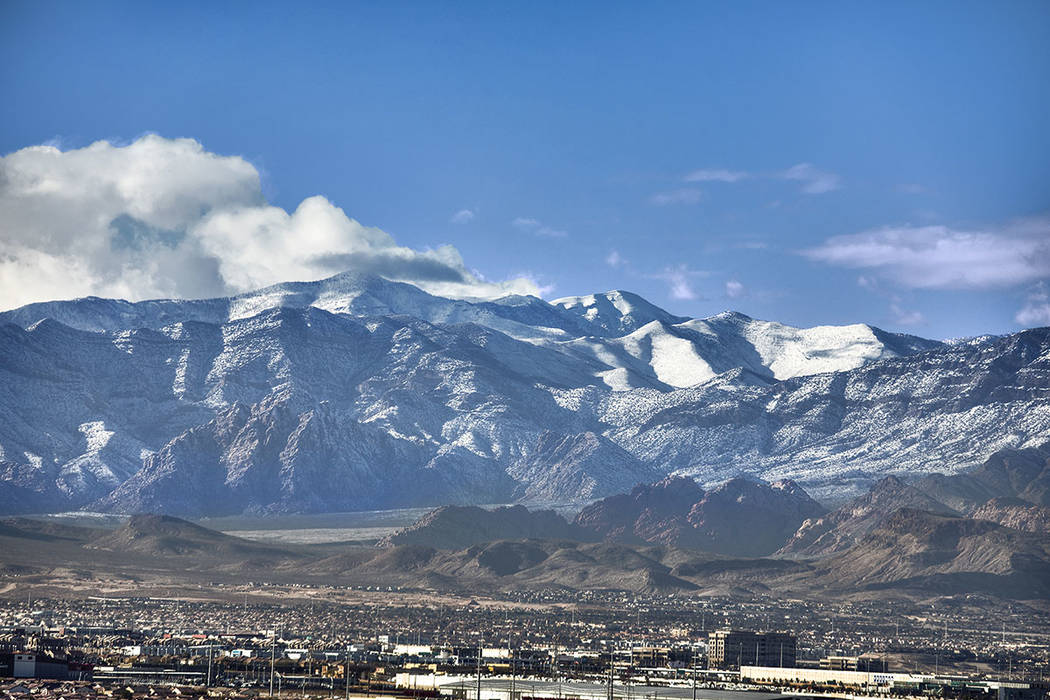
column 729, row 648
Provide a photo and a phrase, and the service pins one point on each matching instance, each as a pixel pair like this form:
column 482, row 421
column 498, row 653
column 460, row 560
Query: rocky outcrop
column 851, row 522
column 1015, row 473
column 747, row 518
column 1015, row 513
column 739, row 518
column 946, row 555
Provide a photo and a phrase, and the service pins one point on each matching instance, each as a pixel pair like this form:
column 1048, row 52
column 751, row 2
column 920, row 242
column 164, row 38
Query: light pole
column 273, row 650
column 693, row 663
column 513, row 668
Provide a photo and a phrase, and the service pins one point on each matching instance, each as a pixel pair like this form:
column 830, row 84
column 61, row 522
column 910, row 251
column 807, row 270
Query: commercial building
column 729, row 648
column 908, row 683
column 870, row 664
column 650, row 656
column 33, row 665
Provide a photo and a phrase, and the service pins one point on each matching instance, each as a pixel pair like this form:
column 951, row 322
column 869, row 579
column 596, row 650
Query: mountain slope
column 640, row 344
column 738, row 518
column 945, row 555
column 586, row 465
column 649, row 513
column 1015, row 513
column 164, row 536
column 914, row 554
column 348, row 293
column 1015, row 473
column 615, row 313
column 747, row 518
column 945, row 410
column 851, row 522
column 268, row 402
column 459, row 527
column 673, row 352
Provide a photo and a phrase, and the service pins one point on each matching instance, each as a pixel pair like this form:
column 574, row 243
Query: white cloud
column 903, row 317
column 679, row 280
column 735, row 289
column 682, row 196
column 813, row 181
column 462, row 216
column 543, row 290
column 939, row 257
column 715, row 175
column 1036, row 311
column 164, row 217
column 680, row 287
column 614, row 259
column 537, row 228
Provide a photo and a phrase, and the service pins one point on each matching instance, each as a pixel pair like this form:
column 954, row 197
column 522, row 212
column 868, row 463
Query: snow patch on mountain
column 95, row 434
column 615, row 313
column 268, row 402
column 675, row 360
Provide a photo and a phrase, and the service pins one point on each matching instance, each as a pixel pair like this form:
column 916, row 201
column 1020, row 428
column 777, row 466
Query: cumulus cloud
column 682, row 196
column 166, row 218
column 462, row 216
column 1036, row 311
column 939, row 257
column 715, row 175
column 614, row 259
column 735, row 289
column 537, row 228
column 814, row 181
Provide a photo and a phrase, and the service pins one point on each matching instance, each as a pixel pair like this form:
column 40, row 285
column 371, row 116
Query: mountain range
column 912, row 553
column 742, row 538
column 747, row 518
column 755, row 535
column 356, row 392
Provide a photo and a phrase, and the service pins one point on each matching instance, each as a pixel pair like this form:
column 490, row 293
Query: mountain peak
column 616, row 312
column 732, row 316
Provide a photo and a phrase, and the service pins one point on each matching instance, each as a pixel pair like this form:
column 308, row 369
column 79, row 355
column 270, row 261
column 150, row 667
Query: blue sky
column 810, row 163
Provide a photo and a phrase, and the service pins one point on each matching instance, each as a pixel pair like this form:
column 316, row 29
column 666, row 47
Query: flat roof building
column 33, row 665
column 909, row 683
column 871, row 664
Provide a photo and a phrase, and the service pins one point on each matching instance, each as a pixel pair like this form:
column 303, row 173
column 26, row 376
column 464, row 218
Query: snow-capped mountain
column 631, row 342
column 357, row 392
column 616, row 313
